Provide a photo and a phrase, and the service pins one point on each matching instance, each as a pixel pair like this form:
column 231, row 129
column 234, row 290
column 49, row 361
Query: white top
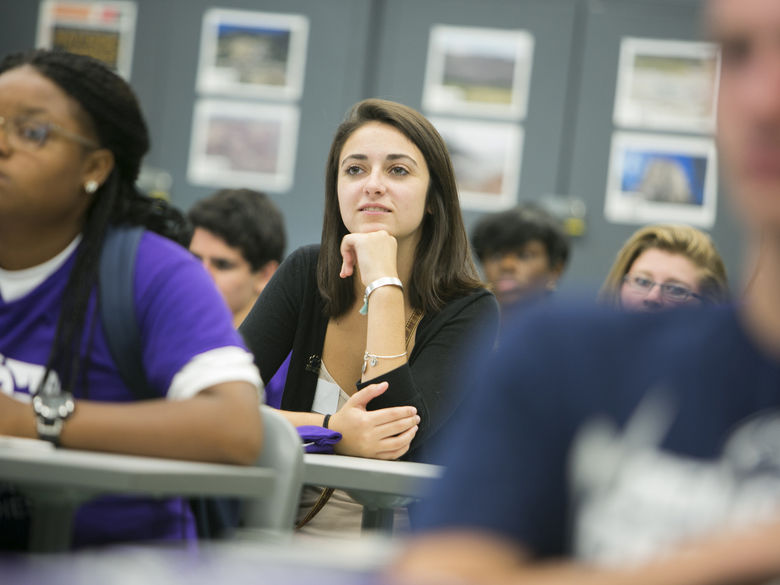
column 329, row 397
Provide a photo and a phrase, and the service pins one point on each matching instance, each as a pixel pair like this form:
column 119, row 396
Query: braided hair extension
column 109, row 107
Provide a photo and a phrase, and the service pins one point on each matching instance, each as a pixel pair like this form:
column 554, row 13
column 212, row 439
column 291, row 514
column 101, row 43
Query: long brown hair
column 687, row 241
column 443, row 267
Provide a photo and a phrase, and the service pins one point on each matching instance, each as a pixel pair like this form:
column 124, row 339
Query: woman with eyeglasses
column 72, row 137
column 665, row 266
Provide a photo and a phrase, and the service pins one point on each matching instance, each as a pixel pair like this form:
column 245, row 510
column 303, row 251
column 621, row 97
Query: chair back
column 283, row 452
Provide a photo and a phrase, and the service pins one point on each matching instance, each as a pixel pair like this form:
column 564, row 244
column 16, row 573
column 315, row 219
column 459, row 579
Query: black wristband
column 325, row 421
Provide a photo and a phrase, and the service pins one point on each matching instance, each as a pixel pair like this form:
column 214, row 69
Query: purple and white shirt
column 189, row 344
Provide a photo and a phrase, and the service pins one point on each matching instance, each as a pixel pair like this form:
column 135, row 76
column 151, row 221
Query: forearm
column 220, row 424
column 727, row 562
column 748, row 556
column 385, row 332
column 299, row 419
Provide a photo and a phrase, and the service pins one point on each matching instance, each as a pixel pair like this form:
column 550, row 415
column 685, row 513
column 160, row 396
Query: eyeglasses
column 30, row 134
column 674, row 293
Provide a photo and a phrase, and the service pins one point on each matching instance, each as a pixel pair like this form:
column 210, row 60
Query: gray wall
column 362, row 48
column 603, row 23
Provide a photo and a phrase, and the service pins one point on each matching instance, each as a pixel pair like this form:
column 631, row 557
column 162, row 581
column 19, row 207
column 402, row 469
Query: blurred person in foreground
column 650, row 454
column 666, row 266
column 523, row 252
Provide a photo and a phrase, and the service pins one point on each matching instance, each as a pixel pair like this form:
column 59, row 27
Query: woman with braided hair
column 72, row 137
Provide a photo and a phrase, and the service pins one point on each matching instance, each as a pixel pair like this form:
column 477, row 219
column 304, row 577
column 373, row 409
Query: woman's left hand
column 385, row 433
column 374, row 253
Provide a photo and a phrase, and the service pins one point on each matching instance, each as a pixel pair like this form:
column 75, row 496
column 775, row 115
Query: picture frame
column 655, row 178
column 252, row 54
column 667, row 85
column 103, row 30
column 243, row 144
column 478, row 71
column 486, row 157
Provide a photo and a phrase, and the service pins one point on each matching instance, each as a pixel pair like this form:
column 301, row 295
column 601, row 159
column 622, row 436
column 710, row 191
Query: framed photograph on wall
column 103, row 30
column 257, row 54
column 243, row 144
column 661, row 179
column 486, row 157
column 667, row 85
column 478, row 71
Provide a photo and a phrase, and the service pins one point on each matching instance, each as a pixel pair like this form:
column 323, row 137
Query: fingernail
column 418, row 419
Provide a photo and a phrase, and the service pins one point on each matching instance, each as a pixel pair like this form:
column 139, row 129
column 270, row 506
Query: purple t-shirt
column 180, row 315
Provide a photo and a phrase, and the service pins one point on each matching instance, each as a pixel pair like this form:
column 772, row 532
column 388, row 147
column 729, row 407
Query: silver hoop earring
column 91, row 186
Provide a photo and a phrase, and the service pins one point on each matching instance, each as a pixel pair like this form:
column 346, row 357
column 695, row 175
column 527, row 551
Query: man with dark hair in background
column 523, row 252
column 239, row 236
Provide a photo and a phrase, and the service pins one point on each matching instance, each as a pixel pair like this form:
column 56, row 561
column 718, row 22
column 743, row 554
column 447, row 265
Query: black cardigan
column 289, row 315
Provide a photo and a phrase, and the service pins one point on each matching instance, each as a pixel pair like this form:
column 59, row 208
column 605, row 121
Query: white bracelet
column 371, row 358
column 384, row 281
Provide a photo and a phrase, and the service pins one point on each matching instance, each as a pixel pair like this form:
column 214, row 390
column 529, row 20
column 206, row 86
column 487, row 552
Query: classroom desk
column 59, row 480
column 378, row 485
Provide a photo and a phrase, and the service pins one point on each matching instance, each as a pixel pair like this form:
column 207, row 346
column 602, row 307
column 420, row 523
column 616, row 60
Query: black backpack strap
column 214, row 517
column 117, row 306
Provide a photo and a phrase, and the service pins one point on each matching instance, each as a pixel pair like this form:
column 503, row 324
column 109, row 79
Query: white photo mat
column 667, row 85
column 252, row 54
column 656, row 178
column 243, row 144
column 104, row 30
column 486, row 157
column 478, row 71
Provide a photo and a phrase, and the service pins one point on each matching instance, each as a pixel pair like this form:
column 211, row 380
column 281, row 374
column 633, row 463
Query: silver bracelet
column 372, row 359
column 384, row 281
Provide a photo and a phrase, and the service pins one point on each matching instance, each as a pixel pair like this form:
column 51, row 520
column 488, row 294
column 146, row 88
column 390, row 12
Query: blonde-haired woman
column 662, row 266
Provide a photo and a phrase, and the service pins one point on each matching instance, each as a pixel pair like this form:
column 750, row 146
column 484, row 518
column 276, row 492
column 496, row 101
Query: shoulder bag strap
column 117, row 307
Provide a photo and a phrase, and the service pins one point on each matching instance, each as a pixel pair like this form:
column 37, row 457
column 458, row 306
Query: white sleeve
column 224, row 364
